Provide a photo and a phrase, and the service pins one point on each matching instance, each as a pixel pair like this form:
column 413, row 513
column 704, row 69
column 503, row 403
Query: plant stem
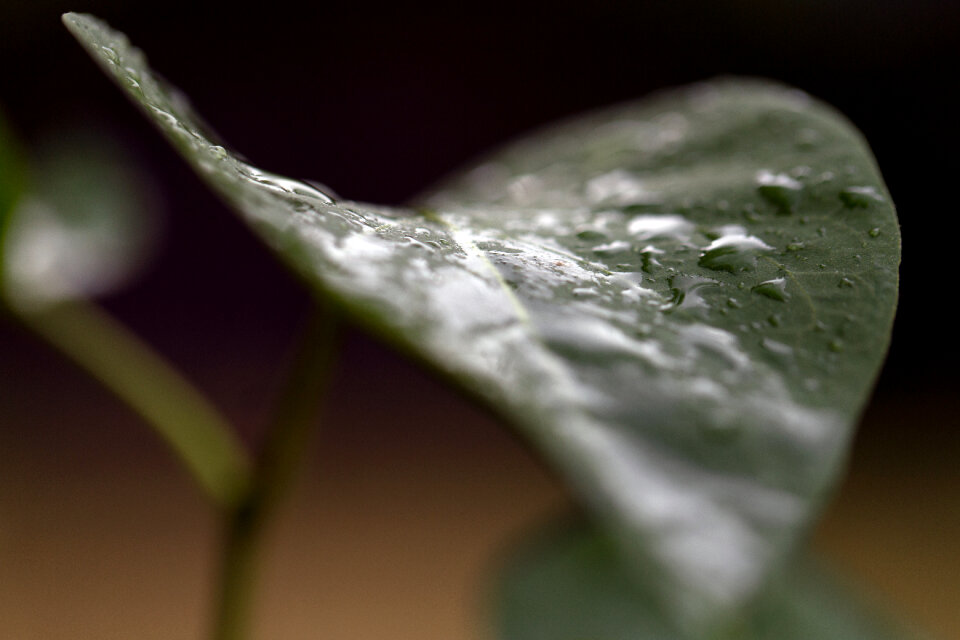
column 287, row 441
column 183, row 418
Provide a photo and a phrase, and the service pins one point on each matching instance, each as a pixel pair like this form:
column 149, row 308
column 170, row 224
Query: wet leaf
column 670, row 299
column 570, row 583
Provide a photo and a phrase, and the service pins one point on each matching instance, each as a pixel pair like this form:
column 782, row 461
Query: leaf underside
column 682, row 303
column 569, row 584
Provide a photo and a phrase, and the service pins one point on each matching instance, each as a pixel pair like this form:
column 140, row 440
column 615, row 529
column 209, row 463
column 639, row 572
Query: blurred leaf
column 11, row 176
column 84, row 228
column 681, row 302
column 570, row 583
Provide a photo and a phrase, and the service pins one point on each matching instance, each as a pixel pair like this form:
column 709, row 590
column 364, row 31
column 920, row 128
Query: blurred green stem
column 246, row 493
column 287, row 441
column 190, row 425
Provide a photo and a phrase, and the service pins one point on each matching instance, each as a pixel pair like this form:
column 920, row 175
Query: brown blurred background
column 412, row 492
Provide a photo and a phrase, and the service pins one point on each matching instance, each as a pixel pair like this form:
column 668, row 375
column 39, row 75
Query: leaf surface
column 681, row 302
column 570, row 584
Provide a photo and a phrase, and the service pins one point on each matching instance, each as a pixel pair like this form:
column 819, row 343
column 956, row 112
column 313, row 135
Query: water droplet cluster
column 651, row 293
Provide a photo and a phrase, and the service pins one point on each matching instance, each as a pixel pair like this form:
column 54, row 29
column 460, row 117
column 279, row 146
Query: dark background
column 378, row 100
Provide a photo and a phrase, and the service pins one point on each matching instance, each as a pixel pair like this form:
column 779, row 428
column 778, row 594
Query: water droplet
column 591, row 235
column 111, row 54
column 859, row 197
column 168, row 118
column 795, row 246
column 618, row 187
column 774, row 320
column 283, row 185
column 495, row 246
column 779, row 189
column 611, row 248
column 734, row 251
column 671, row 226
column 218, row 152
column 775, row 289
column 733, row 303
column 326, row 190
column 845, row 283
column 686, row 292
column 648, row 259
column 776, row 347
column 836, row 345
column 873, row 233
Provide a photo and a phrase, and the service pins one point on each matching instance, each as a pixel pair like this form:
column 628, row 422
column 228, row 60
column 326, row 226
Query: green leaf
column 86, row 225
column 570, row 584
column 673, row 300
column 84, row 228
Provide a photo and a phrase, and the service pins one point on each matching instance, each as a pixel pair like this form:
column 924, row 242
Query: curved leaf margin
column 625, row 290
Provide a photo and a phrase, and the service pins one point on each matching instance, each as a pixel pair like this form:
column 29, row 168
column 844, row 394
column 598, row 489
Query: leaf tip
column 91, row 31
column 76, row 21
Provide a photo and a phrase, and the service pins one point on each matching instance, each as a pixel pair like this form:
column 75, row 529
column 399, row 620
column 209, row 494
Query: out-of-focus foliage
column 570, row 583
column 11, row 177
column 86, row 224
